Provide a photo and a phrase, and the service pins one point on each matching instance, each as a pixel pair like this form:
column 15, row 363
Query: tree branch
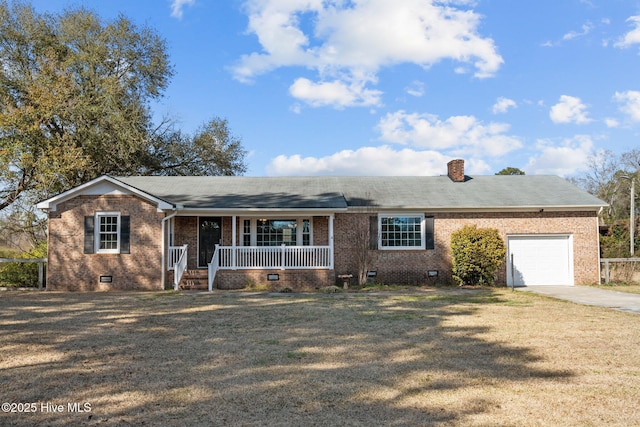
column 14, row 194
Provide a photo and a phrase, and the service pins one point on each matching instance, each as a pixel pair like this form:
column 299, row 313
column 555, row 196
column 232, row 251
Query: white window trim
column 423, row 234
column 97, row 233
column 254, row 228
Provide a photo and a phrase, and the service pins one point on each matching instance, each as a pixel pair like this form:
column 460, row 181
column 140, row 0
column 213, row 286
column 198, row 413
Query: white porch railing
column 275, row 257
column 213, row 267
column 173, row 256
column 180, row 265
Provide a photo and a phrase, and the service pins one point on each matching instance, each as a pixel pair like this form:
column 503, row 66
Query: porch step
column 195, row 280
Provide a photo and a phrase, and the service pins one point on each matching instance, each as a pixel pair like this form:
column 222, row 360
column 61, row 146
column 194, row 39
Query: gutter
column 259, row 211
column 484, row 209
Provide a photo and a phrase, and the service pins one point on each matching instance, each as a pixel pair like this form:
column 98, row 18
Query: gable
column 102, row 186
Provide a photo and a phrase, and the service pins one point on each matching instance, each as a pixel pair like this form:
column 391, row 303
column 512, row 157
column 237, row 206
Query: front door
column 209, row 233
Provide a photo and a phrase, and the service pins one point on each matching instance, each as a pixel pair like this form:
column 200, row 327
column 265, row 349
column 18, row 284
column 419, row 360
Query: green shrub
column 477, row 255
column 20, row 273
column 616, row 243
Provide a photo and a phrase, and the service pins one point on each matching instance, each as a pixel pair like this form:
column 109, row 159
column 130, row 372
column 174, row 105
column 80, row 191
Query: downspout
column 164, row 247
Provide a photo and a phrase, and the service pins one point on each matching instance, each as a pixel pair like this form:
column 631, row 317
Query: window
column 276, row 232
column 107, row 233
column 306, row 232
column 246, row 232
column 402, row 232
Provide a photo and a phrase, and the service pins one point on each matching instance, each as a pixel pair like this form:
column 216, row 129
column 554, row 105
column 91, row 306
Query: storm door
column 209, row 233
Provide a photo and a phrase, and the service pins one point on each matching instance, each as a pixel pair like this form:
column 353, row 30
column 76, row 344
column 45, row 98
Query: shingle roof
column 320, row 192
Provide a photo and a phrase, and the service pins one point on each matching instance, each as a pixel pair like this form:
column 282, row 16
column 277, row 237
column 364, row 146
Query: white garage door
column 539, row 260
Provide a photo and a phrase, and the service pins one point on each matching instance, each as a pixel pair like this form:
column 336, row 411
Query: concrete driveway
column 590, row 296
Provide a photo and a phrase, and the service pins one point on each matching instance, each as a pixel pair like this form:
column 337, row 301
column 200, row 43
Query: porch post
column 331, row 217
column 164, row 246
column 233, row 242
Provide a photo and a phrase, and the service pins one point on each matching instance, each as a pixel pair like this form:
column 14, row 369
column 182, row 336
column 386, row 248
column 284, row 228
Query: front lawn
column 411, row 357
column 622, row 287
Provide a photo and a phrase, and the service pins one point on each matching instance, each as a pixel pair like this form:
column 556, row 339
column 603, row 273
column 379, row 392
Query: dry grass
column 424, row 357
column 633, row 288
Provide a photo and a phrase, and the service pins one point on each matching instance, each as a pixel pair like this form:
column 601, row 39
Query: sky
column 382, row 87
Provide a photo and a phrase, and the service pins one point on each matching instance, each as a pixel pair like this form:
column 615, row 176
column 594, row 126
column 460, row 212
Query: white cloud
column 503, row 104
column 569, row 110
column 571, row 35
column 586, row 29
column 337, row 93
column 633, row 36
column 458, row 135
column 350, row 41
column 567, row 158
column 178, row 5
column 416, row 89
column 611, row 122
column 371, row 161
column 630, row 101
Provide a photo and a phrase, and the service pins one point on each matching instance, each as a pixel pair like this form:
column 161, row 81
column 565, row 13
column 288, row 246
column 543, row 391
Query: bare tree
column 603, row 181
column 362, row 246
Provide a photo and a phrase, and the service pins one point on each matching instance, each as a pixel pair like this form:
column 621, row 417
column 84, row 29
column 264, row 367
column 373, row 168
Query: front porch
column 239, row 251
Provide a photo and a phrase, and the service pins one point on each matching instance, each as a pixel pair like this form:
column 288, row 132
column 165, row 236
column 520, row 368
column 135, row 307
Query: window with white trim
column 306, row 232
column 401, row 231
column 276, row 232
column 246, row 232
column 107, row 232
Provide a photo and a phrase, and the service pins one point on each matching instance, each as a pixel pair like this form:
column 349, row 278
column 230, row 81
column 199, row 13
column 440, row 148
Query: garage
column 539, row 260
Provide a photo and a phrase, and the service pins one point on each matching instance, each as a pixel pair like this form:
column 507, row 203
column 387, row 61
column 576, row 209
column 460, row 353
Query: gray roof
column 322, row 192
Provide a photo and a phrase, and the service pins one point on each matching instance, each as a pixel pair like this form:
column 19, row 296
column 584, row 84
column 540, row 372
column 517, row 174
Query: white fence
column 621, row 269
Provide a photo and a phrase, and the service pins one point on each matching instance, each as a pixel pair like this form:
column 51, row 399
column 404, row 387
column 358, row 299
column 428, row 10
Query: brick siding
column 298, row 280
column 412, row 266
column 69, row 268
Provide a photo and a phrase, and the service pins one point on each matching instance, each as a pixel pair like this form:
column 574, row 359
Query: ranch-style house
column 158, row 232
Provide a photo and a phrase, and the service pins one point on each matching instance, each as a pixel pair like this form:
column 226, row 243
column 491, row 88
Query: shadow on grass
column 242, row 359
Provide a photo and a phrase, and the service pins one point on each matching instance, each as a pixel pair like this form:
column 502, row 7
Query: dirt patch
column 426, row 357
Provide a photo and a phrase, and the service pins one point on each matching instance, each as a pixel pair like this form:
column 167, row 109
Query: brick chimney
column 455, row 170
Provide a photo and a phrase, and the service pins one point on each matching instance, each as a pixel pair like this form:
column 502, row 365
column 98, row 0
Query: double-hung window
column 107, row 233
column 401, row 231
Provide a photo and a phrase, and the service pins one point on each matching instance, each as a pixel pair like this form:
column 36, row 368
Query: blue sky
column 381, row 87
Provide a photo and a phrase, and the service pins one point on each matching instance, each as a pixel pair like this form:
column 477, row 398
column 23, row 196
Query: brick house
column 305, row 232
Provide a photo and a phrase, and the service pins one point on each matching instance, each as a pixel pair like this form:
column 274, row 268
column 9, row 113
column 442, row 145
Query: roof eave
column 257, row 211
column 487, row 209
